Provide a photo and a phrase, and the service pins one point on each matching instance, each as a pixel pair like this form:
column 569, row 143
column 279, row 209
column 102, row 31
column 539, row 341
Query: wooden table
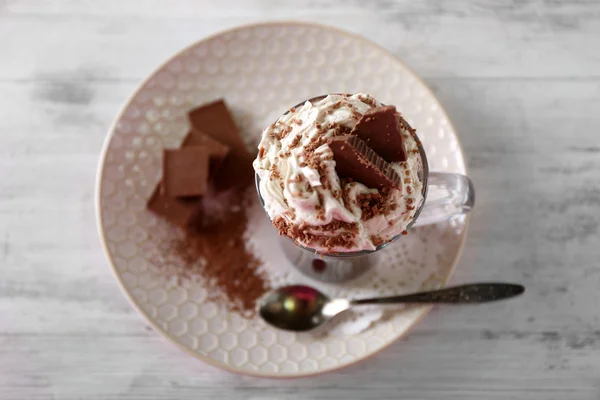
column 519, row 79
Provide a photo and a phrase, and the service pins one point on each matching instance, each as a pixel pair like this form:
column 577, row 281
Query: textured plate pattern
column 261, row 70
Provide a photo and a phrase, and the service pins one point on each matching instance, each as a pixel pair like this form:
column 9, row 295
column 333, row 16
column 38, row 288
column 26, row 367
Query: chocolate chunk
column 233, row 172
column 215, row 120
column 217, row 151
column 199, row 138
column 185, row 171
column 354, row 159
column 184, row 213
column 380, row 128
column 214, row 131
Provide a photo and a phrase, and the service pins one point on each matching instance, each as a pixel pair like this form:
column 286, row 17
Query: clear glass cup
column 445, row 195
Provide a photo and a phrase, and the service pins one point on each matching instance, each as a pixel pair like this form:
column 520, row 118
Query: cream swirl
column 304, row 196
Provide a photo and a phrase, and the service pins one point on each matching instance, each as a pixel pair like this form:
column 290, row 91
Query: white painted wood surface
column 521, row 82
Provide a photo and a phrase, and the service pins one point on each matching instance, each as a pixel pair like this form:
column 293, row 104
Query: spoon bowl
column 295, row 308
column 302, row 308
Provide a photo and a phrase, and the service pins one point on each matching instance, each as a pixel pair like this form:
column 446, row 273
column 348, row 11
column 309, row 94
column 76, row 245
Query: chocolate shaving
column 341, row 130
column 302, row 235
column 295, row 142
column 371, row 205
column 377, row 240
column 368, row 100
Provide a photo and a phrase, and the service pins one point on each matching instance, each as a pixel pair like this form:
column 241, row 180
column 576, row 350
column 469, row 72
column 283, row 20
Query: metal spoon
column 302, row 308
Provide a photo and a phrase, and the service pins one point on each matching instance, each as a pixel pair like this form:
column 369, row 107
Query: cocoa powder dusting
column 219, row 257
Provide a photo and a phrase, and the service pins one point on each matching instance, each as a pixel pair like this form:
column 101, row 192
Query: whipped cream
column 306, row 199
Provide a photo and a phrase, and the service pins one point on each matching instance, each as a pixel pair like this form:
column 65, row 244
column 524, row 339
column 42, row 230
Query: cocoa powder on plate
column 219, row 257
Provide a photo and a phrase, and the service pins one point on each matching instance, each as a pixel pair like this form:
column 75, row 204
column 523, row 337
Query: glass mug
column 445, row 195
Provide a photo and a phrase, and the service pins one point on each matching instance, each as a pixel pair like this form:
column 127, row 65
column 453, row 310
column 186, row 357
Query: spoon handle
column 471, row 293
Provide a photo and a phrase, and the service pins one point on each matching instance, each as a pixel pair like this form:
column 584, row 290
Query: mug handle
column 448, row 195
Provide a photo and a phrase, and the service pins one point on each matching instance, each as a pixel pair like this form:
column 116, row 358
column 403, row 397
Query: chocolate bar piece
column 213, row 132
column 199, row 138
column 215, row 120
column 217, row 151
column 185, row 171
column 380, row 127
column 182, row 212
column 354, row 159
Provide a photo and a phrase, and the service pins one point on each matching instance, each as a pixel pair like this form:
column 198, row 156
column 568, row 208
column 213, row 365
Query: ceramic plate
column 261, row 70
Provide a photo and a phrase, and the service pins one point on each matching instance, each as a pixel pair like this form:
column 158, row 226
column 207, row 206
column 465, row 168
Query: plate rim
column 424, row 310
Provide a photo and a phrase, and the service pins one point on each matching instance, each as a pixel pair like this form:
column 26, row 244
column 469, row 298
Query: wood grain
column 521, row 83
